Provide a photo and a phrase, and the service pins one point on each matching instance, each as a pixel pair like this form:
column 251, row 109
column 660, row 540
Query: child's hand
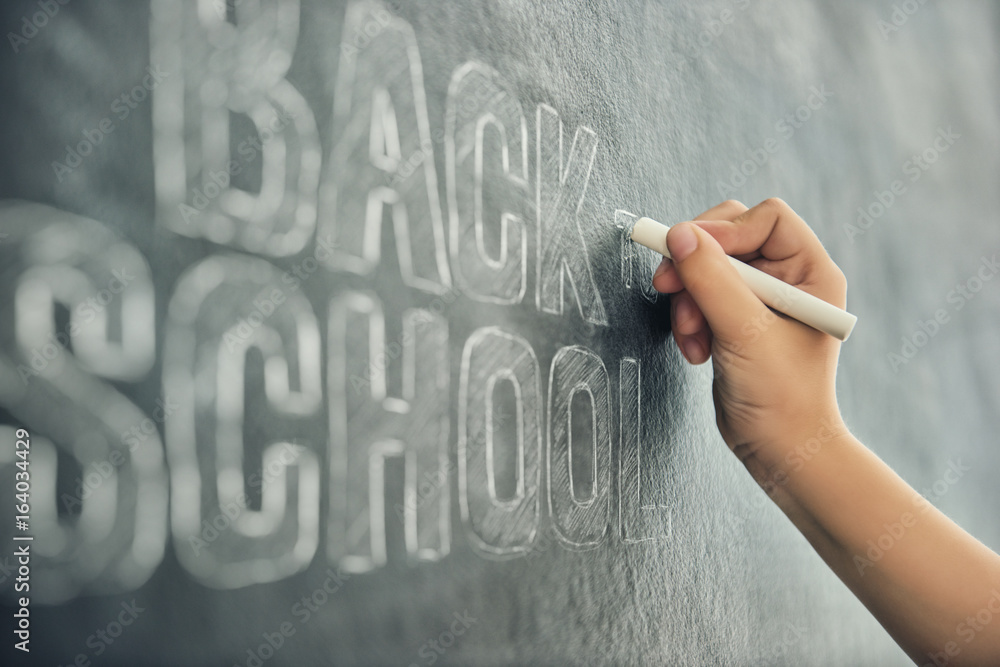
column 775, row 377
column 774, row 392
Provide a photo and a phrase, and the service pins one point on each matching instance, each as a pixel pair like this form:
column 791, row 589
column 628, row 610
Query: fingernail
column 681, row 241
column 662, row 268
column 692, row 350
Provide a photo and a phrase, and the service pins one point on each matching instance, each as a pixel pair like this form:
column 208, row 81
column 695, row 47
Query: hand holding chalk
column 774, row 380
column 777, row 294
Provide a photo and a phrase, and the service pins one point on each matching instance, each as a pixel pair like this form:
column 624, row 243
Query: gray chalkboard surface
column 321, row 324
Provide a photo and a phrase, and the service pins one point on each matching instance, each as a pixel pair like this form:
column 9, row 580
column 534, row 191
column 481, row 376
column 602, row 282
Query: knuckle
column 776, row 204
column 734, row 204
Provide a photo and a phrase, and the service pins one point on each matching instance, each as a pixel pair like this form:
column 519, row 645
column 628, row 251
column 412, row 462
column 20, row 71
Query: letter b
column 275, row 639
column 930, row 327
column 264, row 306
column 94, row 136
column 221, row 178
column 894, row 529
column 886, row 197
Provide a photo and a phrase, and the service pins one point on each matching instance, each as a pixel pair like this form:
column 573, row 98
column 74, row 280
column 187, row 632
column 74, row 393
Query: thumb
column 707, row 275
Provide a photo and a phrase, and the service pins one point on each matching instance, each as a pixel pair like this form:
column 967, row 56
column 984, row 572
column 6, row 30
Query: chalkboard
column 325, row 344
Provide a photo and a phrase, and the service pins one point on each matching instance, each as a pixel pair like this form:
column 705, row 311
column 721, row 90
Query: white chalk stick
column 776, row 293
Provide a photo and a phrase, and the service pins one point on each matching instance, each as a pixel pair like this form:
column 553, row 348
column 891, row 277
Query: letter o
column 225, row 522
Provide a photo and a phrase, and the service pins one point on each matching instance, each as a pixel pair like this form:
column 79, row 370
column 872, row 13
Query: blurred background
column 331, row 349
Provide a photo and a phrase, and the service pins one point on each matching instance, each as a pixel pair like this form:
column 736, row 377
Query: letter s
column 118, row 538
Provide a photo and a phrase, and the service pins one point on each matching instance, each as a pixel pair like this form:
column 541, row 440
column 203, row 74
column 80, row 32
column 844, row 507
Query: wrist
column 798, row 448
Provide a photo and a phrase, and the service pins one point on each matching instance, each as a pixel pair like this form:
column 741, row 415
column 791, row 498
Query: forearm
column 919, row 573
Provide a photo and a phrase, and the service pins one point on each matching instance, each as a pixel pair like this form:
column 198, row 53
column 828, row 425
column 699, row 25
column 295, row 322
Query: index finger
column 771, row 230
